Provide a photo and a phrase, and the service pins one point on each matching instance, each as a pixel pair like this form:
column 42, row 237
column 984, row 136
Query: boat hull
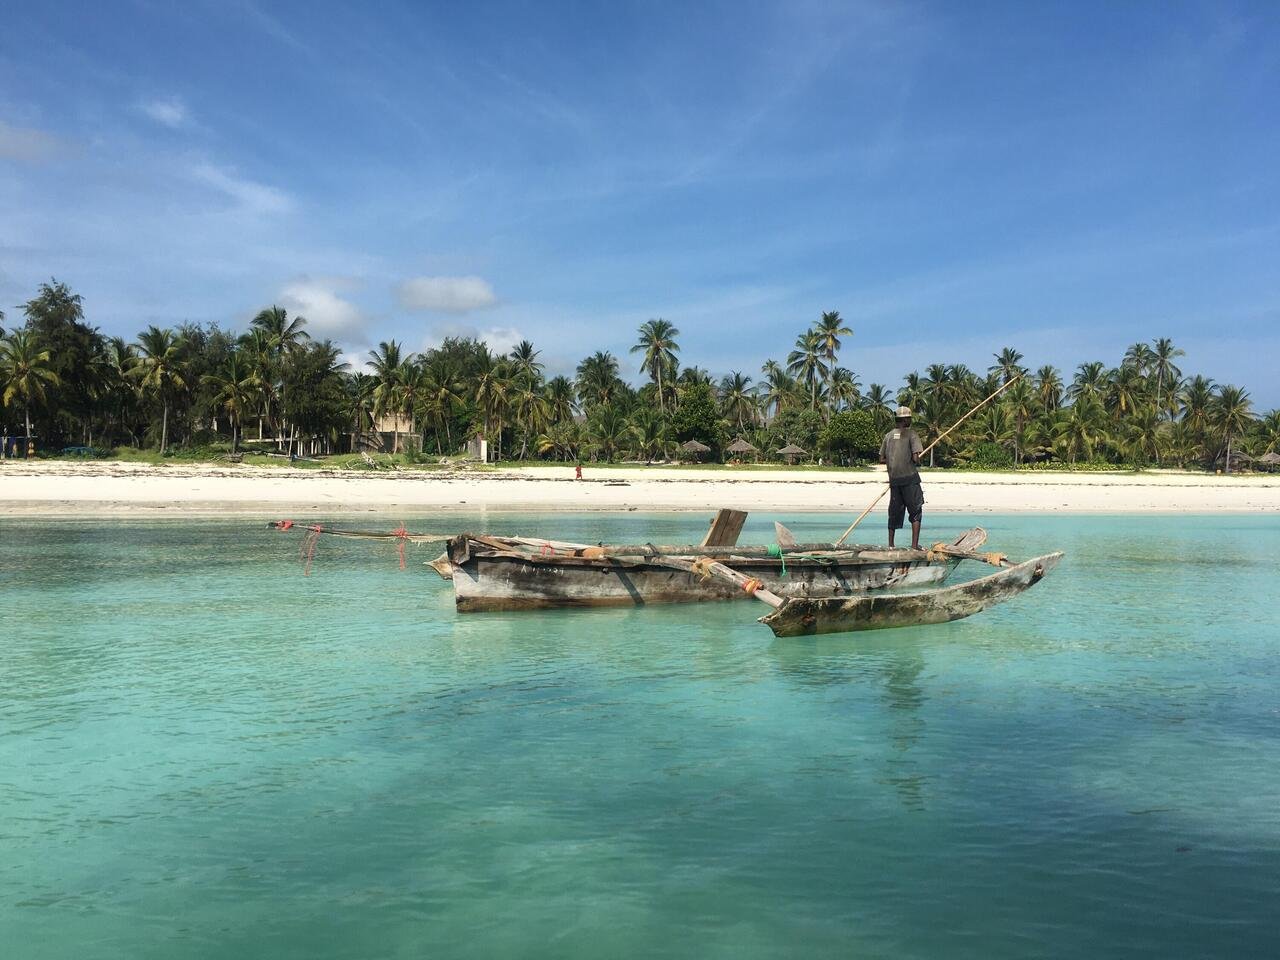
column 803, row 617
column 505, row 582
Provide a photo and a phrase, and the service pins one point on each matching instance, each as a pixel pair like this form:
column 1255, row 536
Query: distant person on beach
column 900, row 452
column 577, row 472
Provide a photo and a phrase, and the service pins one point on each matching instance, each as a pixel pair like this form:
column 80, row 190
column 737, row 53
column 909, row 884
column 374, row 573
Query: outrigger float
column 812, row 587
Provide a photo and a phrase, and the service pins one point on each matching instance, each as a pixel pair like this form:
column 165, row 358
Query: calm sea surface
column 205, row 754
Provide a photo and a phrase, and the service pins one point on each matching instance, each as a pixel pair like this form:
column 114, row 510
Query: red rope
column 308, row 549
column 401, row 535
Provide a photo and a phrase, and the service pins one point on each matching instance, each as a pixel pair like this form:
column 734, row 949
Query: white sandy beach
column 122, row 489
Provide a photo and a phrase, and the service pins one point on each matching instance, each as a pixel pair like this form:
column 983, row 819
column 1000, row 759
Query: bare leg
column 891, row 533
column 915, row 535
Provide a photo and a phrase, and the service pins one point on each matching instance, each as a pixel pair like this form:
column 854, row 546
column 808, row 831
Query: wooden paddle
column 942, row 436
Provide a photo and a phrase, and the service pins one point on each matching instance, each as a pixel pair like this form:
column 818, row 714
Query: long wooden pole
column 862, row 516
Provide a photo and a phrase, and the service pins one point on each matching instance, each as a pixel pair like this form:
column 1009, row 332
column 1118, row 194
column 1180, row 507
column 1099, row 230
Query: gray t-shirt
column 898, row 450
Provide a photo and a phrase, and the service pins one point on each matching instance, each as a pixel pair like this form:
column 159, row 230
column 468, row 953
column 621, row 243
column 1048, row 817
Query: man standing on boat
column 900, row 452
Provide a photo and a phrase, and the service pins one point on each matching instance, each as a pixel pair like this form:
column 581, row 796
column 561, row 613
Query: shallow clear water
column 205, row 754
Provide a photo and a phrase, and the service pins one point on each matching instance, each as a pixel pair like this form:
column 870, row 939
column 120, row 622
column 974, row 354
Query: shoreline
column 121, row 489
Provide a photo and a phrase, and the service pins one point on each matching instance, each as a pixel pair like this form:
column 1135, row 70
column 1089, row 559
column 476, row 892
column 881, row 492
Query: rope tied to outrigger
column 307, row 549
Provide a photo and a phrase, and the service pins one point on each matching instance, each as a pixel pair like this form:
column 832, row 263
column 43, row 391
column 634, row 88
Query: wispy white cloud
column 270, row 25
column 250, row 196
column 328, row 314
column 169, row 111
column 446, row 294
column 498, row 339
column 29, row 145
column 356, row 361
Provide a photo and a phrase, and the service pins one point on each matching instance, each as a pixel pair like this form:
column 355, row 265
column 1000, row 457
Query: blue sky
column 954, row 178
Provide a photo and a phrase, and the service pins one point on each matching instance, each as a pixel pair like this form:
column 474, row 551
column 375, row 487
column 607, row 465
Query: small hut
column 695, row 449
column 791, row 453
column 1239, row 460
column 741, row 448
column 1269, row 460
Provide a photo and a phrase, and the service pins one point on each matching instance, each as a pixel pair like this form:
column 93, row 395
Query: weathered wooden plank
column 885, row 610
column 726, row 527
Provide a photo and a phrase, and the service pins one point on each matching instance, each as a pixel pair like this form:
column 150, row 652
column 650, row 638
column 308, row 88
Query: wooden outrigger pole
column 942, row 436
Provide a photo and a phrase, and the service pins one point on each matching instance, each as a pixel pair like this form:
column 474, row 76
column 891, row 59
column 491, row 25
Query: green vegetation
column 199, row 392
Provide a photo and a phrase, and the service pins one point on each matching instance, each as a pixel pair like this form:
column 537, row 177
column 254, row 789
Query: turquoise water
column 205, row 754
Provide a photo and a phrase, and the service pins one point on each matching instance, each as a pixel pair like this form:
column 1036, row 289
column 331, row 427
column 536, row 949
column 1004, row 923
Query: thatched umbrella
column 741, row 447
column 1270, row 459
column 694, row 447
column 792, row 452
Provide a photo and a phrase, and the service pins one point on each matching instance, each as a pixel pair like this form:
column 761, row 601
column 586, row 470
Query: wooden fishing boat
column 501, row 574
column 813, row 588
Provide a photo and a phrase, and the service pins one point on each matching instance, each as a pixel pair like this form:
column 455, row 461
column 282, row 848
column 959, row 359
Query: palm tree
column 1139, row 357
column 1006, row 364
column 234, row 392
column 1268, row 432
column 409, row 396
column 937, row 390
column 560, row 400
column 1021, row 401
column 649, row 430
column 658, row 344
column 1049, row 388
column 608, row 428
column 1197, row 398
column 532, row 413
column 1165, row 369
column 913, row 390
column 441, row 395
column 694, row 376
column 779, row 391
column 359, row 389
column 121, row 359
column 524, row 362
column 389, row 368
column 1126, row 391
column 159, row 371
column 283, row 334
column 493, row 393
column 829, row 330
column 843, row 389
column 806, row 363
column 995, row 426
column 1081, row 432
column 737, row 400
column 598, row 381
column 1232, row 415
column 283, row 337
column 1143, row 439
column 25, row 373
column 1090, row 381
column 256, row 346
column 877, row 401
column 561, row 439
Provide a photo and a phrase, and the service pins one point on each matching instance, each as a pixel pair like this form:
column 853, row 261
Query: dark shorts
column 908, row 500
